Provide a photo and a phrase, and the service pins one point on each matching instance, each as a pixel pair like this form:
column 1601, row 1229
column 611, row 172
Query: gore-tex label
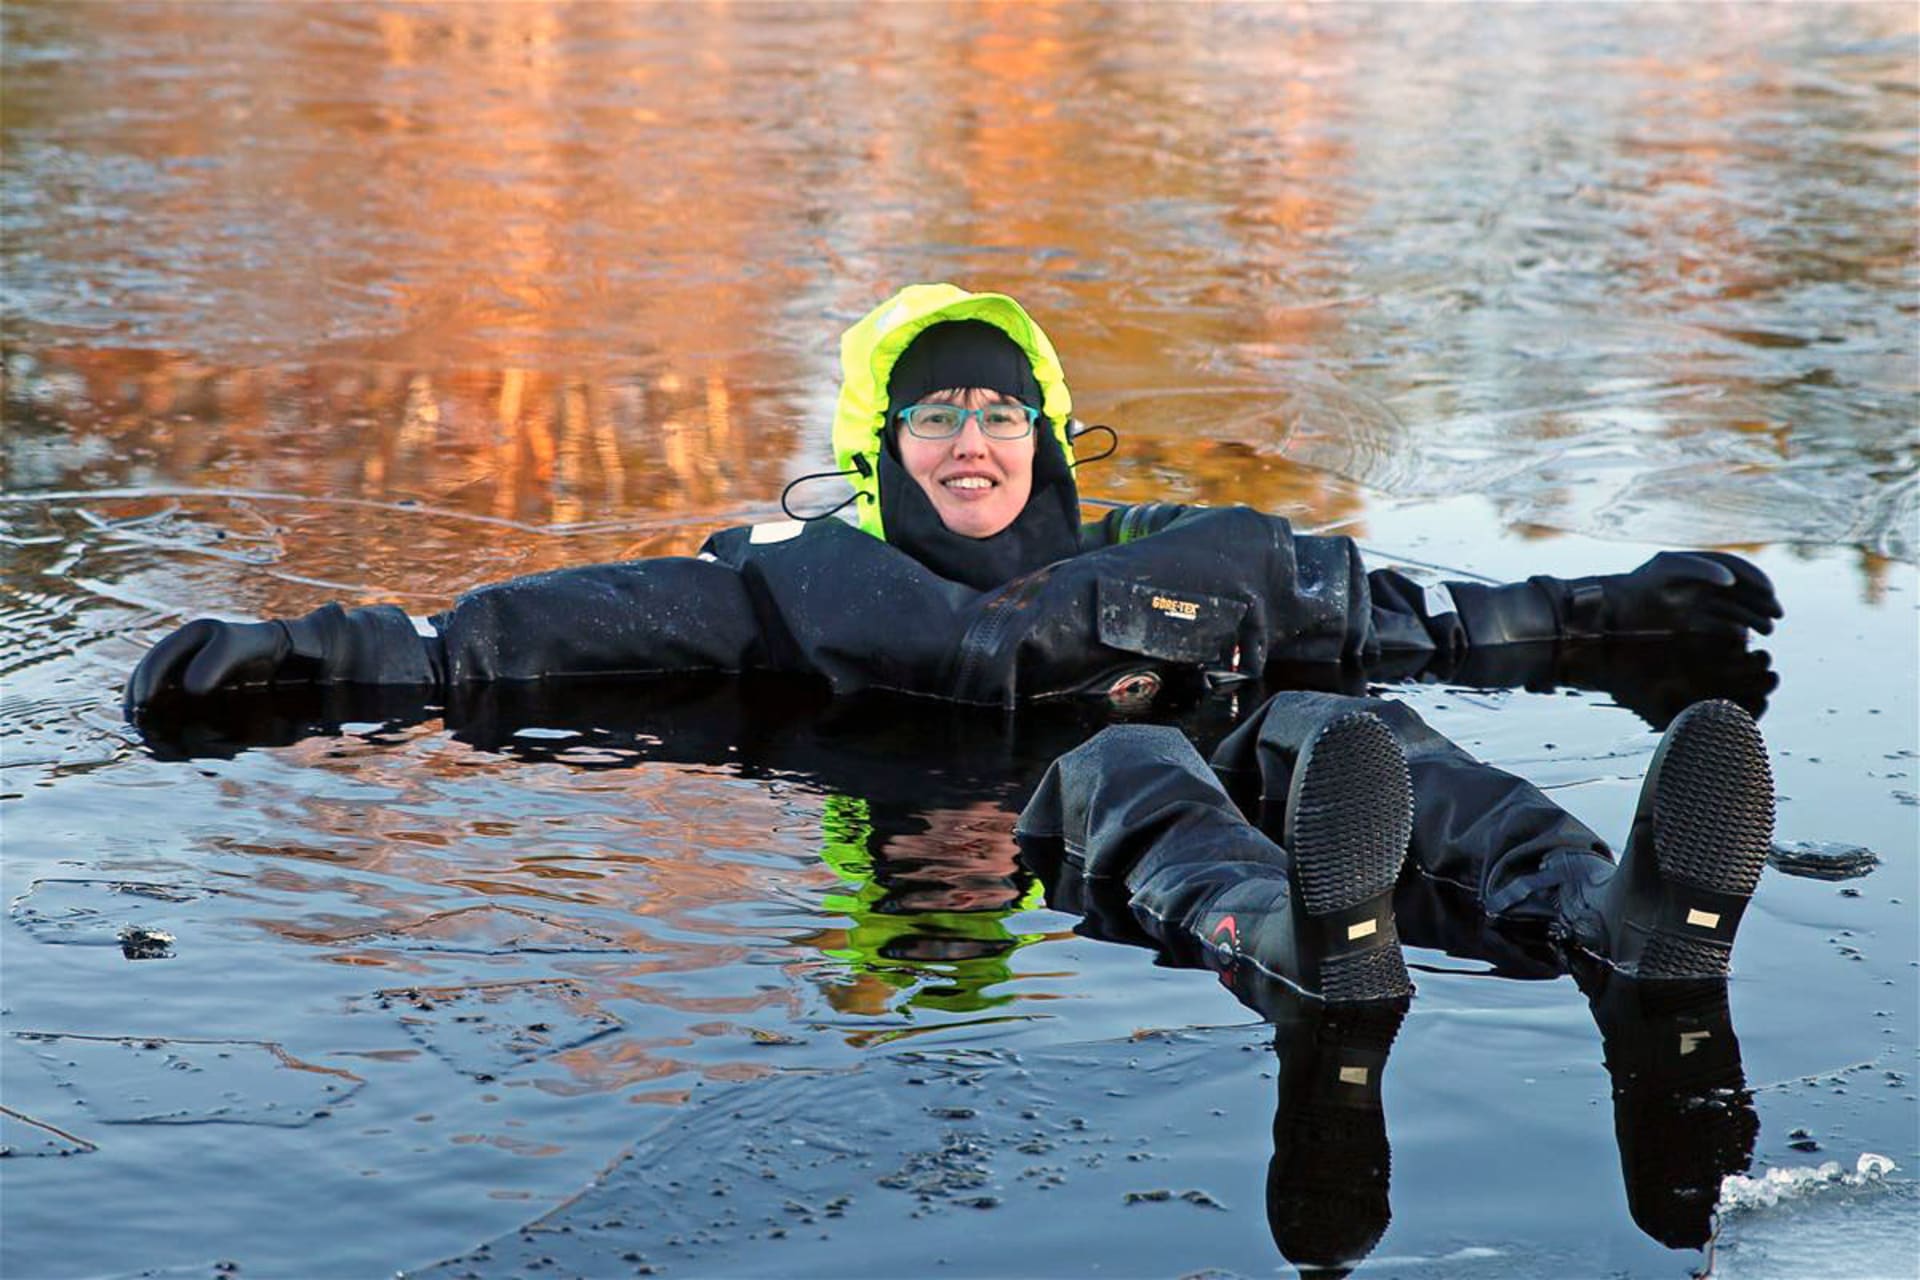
column 1175, row 626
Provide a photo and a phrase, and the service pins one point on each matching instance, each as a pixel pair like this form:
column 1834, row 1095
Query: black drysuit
column 1151, row 597
column 1187, row 594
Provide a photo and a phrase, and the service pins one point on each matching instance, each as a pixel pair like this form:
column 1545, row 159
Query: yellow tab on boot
column 1364, row 929
column 1704, row 919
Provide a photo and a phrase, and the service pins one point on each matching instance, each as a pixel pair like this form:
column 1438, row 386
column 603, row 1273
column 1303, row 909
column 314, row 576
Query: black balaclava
column 972, row 353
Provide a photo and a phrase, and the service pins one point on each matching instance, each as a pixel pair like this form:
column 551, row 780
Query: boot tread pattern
column 1667, row 956
column 1351, row 816
column 1713, row 812
column 1377, row 973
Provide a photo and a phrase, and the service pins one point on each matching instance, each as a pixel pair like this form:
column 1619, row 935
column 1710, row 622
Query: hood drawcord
column 861, row 467
column 1076, row 436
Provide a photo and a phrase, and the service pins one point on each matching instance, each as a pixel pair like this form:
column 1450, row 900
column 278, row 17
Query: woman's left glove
column 1699, row 592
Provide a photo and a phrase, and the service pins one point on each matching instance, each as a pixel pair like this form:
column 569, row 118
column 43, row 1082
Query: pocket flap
column 1174, row 626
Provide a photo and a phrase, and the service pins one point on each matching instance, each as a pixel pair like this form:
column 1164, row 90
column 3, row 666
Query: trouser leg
column 1487, row 847
column 1133, row 831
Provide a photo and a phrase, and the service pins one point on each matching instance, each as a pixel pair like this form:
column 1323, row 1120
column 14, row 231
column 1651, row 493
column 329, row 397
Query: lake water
column 311, row 302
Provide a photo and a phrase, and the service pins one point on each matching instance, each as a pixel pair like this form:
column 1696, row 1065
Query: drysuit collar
column 1047, row 528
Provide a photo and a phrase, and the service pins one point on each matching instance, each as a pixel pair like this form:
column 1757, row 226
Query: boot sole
column 1712, row 826
column 1349, row 817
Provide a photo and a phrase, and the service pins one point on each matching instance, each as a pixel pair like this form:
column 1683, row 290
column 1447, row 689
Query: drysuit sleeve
column 1125, row 524
column 1706, row 594
column 669, row 615
column 1698, row 593
column 673, row 614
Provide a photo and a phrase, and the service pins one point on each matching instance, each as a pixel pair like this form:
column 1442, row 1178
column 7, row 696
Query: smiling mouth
column 968, row 484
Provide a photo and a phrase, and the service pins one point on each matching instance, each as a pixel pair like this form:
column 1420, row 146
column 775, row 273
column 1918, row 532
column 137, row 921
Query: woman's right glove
column 331, row 645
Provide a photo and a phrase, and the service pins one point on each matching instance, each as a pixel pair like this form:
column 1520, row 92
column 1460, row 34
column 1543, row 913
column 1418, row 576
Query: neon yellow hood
column 870, row 349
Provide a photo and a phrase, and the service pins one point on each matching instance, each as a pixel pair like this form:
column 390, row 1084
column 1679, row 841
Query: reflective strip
column 776, row 531
column 1703, row 919
column 424, row 627
column 1353, row 1075
column 1361, row 930
column 1439, row 599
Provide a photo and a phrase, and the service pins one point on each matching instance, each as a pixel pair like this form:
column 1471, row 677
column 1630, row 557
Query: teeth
column 969, row 482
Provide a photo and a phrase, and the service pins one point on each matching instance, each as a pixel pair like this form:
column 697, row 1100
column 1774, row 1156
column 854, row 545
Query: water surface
column 368, row 303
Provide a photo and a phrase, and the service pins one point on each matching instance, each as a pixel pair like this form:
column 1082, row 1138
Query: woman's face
column 977, row 485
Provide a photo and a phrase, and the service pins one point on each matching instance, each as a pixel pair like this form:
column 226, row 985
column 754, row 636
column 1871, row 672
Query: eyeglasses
column 945, row 421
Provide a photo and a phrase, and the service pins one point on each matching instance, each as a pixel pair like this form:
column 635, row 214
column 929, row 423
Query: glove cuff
column 1579, row 605
column 311, row 638
column 376, row 645
column 1517, row 613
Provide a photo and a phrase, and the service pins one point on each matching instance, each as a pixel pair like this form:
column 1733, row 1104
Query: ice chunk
column 22, row 1135
column 1873, row 1165
column 1738, row 1192
column 484, row 930
column 487, row 1029
column 143, row 942
column 92, row 912
column 1823, row 859
column 1819, row 1221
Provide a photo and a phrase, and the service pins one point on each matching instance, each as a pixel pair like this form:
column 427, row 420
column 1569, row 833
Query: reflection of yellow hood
column 869, row 350
column 954, row 984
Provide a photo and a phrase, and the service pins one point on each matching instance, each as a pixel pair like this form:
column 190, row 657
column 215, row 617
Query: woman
column 965, row 574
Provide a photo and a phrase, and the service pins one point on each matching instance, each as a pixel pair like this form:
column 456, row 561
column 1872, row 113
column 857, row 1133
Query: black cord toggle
column 860, row 465
column 1084, row 432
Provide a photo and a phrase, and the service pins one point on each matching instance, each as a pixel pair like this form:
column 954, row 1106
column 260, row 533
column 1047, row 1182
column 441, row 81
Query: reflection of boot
column 1327, row 1201
column 1681, row 1111
column 1699, row 840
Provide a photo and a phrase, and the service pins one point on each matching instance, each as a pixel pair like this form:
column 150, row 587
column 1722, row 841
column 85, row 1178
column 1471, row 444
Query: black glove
column 206, row 655
column 1699, row 592
column 330, row 645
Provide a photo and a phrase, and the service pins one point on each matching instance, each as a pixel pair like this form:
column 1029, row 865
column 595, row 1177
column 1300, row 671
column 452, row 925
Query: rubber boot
column 1327, row 1183
column 1700, row 837
column 1349, row 814
column 1681, row 1111
column 1133, row 831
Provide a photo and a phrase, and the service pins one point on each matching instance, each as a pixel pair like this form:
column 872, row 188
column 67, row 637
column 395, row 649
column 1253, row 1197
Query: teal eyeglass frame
column 906, row 420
